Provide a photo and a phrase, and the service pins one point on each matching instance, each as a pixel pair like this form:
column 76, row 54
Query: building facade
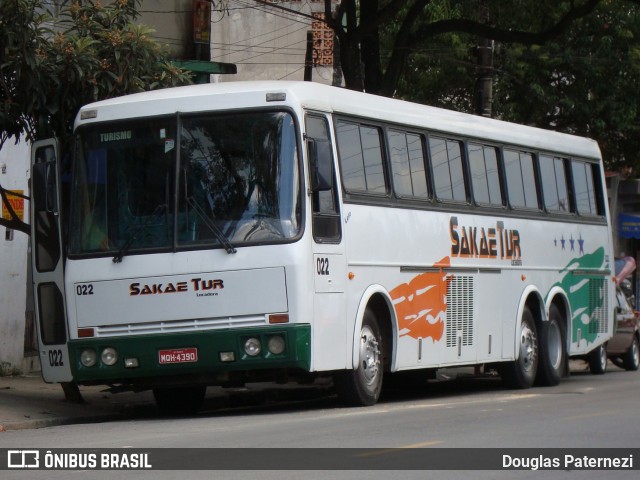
column 17, row 336
column 275, row 40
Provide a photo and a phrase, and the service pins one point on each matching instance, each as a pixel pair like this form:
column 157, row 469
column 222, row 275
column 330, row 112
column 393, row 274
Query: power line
column 273, row 49
column 255, row 46
column 293, row 17
column 238, row 42
column 261, row 48
column 265, row 53
column 246, row 41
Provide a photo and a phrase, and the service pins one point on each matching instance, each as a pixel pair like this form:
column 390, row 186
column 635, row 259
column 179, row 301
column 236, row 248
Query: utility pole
column 308, row 58
column 484, row 81
column 338, row 77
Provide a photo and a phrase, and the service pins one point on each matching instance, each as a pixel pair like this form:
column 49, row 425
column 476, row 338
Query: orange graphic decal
column 421, row 304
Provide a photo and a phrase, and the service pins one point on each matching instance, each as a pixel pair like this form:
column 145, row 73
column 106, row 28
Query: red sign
column 201, row 21
column 17, row 203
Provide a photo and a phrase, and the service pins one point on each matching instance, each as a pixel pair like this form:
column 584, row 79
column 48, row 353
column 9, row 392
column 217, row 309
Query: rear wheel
column 522, row 372
column 631, row 358
column 552, row 349
column 179, row 400
column 362, row 386
column 598, row 360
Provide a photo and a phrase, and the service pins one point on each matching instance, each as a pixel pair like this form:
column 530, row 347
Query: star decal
column 562, row 242
column 581, row 244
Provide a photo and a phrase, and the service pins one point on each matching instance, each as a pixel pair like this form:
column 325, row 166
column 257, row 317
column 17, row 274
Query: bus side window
column 485, row 174
column 521, row 179
column 448, row 172
column 327, row 227
column 554, row 184
column 587, row 201
column 361, row 158
column 408, row 164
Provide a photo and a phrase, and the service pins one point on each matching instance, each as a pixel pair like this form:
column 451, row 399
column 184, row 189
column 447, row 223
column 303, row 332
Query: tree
column 584, row 82
column 567, row 65
column 50, row 67
column 413, row 24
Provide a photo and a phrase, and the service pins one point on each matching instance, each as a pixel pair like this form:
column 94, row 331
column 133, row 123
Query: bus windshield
column 211, row 180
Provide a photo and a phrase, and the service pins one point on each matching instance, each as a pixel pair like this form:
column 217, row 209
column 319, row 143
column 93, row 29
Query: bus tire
column 362, row 386
column 631, row 358
column 598, row 360
column 179, row 400
column 552, row 349
column 521, row 373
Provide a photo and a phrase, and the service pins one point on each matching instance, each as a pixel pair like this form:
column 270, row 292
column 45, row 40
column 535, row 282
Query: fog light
column 131, row 363
column 109, row 356
column 227, row 356
column 252, row 347
column 276, row 345
column 88, row 357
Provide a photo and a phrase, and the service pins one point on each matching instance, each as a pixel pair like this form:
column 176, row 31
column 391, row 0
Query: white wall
column 172, row 21
column 265, row 43
column 14, row 173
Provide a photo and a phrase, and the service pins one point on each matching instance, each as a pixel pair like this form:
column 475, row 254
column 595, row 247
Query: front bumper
column 209, row 346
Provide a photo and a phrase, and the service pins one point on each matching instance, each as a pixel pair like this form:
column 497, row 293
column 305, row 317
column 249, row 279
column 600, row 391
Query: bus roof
column 316, row 96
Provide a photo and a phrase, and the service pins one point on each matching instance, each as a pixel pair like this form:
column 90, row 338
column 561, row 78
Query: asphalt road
column 584, row 411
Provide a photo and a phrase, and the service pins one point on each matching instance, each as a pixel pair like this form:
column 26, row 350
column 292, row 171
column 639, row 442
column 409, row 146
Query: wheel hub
column 369, row 355
column 528, row 348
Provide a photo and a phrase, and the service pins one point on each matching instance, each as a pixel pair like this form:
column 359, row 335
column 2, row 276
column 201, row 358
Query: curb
column 143, row 409
column 56, row 422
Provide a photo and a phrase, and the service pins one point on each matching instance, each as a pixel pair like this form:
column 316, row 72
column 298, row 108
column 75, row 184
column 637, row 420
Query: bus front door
column 48, row 262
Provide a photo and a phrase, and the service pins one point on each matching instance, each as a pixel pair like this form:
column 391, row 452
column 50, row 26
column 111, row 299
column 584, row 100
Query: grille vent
column 459, row 311
column 598, row 305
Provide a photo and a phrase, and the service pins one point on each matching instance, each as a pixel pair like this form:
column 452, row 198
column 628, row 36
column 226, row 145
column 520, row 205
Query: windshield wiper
column 136, row 233
column 212, row 226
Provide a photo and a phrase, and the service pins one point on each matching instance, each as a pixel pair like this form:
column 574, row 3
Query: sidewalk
column 26, row 401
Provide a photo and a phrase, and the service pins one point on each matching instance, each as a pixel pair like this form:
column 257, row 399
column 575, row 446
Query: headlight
column 276, row 345
column 252, row 347
column 109, row 356
column 88, row 357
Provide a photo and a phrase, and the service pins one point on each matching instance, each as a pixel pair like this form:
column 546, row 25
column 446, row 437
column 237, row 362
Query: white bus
column 228, row 233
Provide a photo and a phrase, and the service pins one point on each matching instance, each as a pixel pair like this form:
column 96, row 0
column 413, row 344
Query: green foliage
column 51, row 67
column 22, row 36
column 584, row 82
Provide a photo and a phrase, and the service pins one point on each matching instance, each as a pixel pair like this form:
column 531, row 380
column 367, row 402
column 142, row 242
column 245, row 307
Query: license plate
column 178, row 355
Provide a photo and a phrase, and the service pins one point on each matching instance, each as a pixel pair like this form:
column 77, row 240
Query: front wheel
column 362, row 386
column 631, row 358
column 598, row 360
column 521, row 373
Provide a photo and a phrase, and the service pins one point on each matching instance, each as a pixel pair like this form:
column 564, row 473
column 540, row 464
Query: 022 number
column 322, row 265
column 85, row 289
column 55, row 358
